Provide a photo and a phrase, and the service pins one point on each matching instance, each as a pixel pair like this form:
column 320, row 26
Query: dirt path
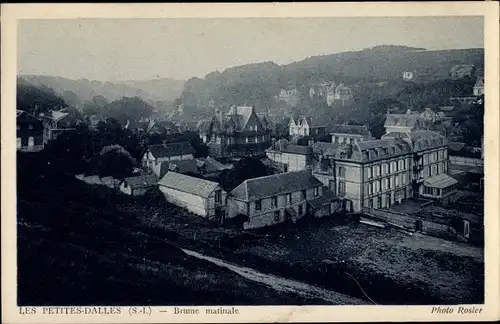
column 283, row 285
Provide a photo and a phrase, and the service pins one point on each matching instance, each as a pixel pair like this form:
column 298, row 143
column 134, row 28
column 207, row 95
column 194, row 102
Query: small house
column 201, row 197
column 166, row 152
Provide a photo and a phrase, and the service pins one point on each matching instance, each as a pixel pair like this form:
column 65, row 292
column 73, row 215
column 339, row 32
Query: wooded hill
column 258, row 83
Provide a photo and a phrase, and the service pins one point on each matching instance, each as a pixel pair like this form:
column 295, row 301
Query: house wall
column 294, row 162
column 430, row 163
column 266, row 216
column 211, row 206
column 398, row 129
column 193, row 203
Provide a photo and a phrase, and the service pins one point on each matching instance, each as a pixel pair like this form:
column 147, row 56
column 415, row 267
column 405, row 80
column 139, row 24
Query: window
column 258, row 205
column 30, row 126
column 304, row 194
column 389, row 183
column 31, row 141
column 388, row 167
column 435, row 156
column 370, row 203
column 274, row 201
column 370, row 188
column 370, row 172
column 379, row 202
column 379, row 185
column 246, row 140
column 377, row 169
column 341, row 188
column 397, row 166
column 445, row 154
column 289, row 198
column 277, row 216
column 256, row 140
column 404, row 164
column 396, row 178
column 443, row 167
column 429, row 172
column 218, row 197
column 316, row 191
column 300, row 210
column 341, row 172
column 19, row 143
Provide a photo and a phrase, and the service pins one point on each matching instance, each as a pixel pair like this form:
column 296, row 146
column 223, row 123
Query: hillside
column 258, row 83
column 85, row 90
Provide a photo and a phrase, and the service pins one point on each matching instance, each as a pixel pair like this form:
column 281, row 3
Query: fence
column 460, row 160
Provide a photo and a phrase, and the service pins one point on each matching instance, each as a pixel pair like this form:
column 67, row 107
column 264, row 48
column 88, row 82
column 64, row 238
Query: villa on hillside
column 239, row 132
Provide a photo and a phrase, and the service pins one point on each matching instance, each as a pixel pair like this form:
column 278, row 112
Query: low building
column 166, row 152
column 344, row 134
column 138, row 185
column 292, row 157
column 201, row 197
column 318, row 92
column 208, row 168
column 402, row 123
column 274, row 199
column 29, row 132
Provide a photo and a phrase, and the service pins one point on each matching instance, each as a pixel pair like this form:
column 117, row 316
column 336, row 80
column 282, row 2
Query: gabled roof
column 185, row 183
column 24, row 117
column 285, row 146
column 171, row 149
column 310, row 121
column 244, row 111
column 349, row 129
column 274, row 185
column 142, row 181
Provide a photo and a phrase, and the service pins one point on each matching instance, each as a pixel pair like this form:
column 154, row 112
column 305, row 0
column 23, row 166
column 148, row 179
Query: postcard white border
column 12, row 12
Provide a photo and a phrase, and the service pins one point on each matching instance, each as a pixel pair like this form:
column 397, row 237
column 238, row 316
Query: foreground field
column 435, row 270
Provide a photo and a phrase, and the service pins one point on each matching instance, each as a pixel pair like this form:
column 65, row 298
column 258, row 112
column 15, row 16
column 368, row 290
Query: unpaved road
column 282, row 284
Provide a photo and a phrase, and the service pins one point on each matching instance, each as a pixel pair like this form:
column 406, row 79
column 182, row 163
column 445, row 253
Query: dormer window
column 30, row 126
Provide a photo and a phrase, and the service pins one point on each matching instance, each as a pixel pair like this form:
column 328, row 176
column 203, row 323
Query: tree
column 115, row 161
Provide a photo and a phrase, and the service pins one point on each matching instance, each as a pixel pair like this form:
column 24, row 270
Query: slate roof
column 402, row 120
column 171, row 149
column 195, row 166
column 285, row 146
column 349, row 129
column 240, row 115
column 185, row 183
column 142, row 181
column 274, row 185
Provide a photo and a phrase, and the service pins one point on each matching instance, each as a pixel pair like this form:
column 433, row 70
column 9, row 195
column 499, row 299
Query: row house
column 240, row 132
column 305, row 126
column 199, row 196
column 274, row 199
column 289, row 96
column 29, row 132
column 167, row 152
column 293, row 157
column 348, row 134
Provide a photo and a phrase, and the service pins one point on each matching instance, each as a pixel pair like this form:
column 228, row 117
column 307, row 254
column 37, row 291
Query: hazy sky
column 124, row 49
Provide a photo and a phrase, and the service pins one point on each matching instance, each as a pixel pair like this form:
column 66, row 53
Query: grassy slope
column 83, row 245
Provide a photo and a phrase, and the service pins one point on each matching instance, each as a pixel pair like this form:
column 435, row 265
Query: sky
column 140, row 49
